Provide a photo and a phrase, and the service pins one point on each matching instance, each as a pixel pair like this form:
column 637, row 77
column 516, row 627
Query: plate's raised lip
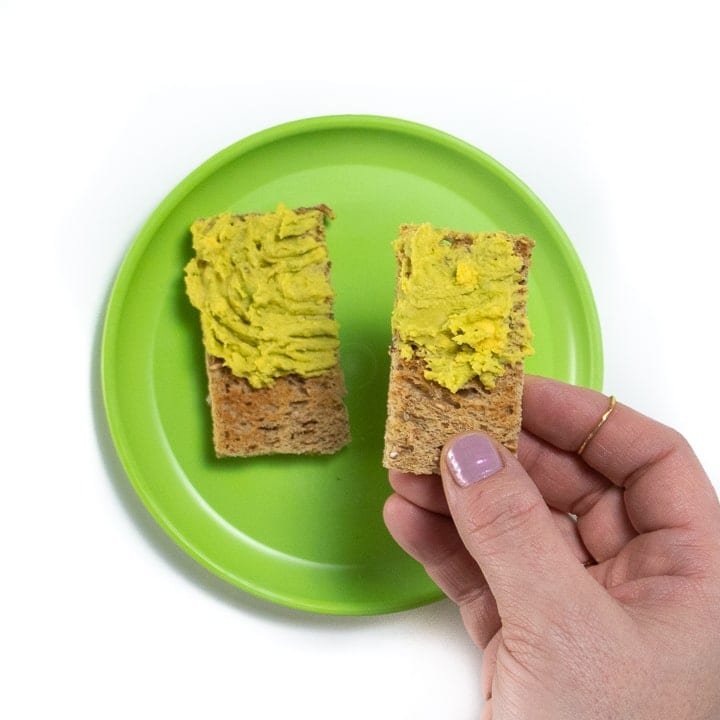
column 230, row 153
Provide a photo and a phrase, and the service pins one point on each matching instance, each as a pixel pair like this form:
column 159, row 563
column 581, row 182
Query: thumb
column 507, row 527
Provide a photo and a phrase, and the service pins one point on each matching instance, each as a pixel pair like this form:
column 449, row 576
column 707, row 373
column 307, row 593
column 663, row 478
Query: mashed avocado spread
column 261, row 285
column 458, row 305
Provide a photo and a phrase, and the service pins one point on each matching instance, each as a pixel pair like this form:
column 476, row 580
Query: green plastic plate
column 307, row 532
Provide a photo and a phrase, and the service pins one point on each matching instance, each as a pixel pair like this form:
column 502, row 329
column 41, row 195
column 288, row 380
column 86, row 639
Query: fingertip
column 392, row 513
column 400, row 480
column 413, row 528
column 398, row 513
column 391, row 504
column 425, row 491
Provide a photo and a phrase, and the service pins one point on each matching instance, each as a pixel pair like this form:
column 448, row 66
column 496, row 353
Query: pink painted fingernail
column 472, row 458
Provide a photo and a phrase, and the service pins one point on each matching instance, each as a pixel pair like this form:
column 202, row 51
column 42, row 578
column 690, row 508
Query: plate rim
column 231, row 153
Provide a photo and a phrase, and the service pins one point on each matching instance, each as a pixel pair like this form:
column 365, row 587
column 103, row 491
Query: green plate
column 307, row 532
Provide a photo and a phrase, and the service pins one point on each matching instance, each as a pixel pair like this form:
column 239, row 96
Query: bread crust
column 423, row 415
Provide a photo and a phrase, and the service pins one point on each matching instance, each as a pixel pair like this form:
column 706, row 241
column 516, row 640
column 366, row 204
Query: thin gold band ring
column 596, row 429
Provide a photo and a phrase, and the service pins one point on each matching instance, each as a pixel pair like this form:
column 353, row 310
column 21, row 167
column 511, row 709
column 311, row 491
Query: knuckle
column 677, row 439
column 676, row 444
column 526, row 643
column 472, row 595
column 496, row 515
column 666, row 448
column 479, row 614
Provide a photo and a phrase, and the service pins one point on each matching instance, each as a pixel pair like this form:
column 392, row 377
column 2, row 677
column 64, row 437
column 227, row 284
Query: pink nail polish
column 472, row 458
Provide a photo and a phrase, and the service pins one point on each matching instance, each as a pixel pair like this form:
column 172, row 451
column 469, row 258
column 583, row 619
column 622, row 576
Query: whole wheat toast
column 423, row 415
column 294, row 415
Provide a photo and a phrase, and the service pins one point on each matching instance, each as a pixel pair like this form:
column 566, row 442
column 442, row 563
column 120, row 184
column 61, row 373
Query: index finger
column 665, row 485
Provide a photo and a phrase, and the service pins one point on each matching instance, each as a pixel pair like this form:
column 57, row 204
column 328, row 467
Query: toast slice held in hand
column 459, row 338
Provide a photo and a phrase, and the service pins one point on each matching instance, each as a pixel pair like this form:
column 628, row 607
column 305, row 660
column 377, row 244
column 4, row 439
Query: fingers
column 562, row 414
column 664, row 482
column 604, row 525
column 564, row 479
column 568, row 484
column 508, row 529
column 666, row 487
column 425, row 491
column 569, row 532
column 432, row 540
column 668, row 554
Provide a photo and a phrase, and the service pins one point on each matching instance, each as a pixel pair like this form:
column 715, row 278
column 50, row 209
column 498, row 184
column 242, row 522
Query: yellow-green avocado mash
column 261, row 285
column 460, row 304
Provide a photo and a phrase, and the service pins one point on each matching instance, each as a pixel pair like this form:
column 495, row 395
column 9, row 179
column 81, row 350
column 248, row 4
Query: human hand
column 633, row 636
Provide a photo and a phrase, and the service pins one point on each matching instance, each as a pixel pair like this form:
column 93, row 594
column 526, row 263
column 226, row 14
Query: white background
column 608, row 111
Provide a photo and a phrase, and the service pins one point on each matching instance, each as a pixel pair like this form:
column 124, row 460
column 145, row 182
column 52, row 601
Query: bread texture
column 423, row 415
column 295, row 414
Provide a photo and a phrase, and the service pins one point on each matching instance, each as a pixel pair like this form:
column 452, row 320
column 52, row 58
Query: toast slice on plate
column 261, row 283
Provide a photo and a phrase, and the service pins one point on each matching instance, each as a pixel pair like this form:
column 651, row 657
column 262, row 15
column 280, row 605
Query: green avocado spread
column 460, row 305
column 261, row 285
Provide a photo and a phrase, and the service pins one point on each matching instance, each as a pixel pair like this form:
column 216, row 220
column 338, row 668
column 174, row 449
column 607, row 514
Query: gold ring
column 596, row 429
